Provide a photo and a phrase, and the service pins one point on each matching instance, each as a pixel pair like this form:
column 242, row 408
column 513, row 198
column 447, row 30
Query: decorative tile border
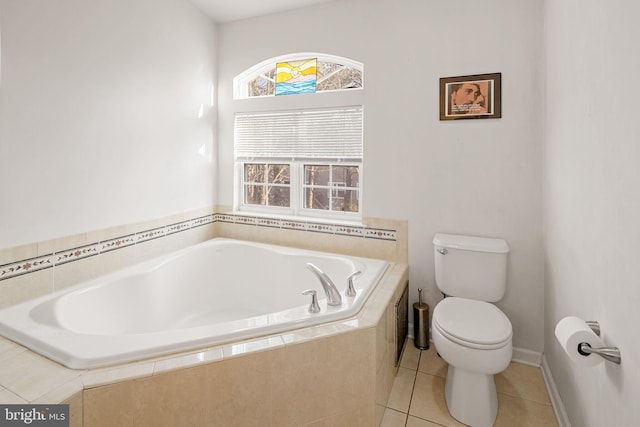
column 147, row 235
column 350, row 231
column 269, row 222
column 176, row 228
column 316, row 227
column 120, row 242
column 225, row 218
column 203, row 220
column 26, row 266
column 382, row 234
column 294, row 225
column 76, row 254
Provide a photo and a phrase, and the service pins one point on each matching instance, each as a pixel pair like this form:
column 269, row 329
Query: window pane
column 279, row 196
column 316, row 175
column 254, row 172
column 332, row 76
column 345, row 200
column 327, row 68
column 346, row 176
column 279, row 174
column 255, row 195
column 262, row 85
column 316, row 198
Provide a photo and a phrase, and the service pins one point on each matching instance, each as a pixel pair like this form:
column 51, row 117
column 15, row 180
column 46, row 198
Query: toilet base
column 471, row 397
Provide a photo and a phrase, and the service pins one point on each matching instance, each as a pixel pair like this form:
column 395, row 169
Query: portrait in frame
column 471, row 97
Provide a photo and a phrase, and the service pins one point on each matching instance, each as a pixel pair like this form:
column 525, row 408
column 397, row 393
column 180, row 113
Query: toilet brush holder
column 421, row 323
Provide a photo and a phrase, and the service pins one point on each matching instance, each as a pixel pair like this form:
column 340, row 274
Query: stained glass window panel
column 295, row 77
column 292, row 74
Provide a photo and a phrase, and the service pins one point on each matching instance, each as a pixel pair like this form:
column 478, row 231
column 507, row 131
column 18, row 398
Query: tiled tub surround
column 337, row 374
column 36, row 269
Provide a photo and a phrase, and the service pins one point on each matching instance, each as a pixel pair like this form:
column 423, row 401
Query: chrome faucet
column 333, row 295
column 351, row 290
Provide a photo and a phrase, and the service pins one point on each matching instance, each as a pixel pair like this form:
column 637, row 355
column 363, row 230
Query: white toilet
column 472, row 335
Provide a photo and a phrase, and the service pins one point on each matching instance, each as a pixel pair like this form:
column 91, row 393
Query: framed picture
column 470, row 97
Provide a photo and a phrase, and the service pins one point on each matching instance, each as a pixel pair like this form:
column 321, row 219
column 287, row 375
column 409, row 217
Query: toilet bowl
column 474, row 338
column 469, row 332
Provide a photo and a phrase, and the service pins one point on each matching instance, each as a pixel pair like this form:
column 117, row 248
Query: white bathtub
column 218, row 291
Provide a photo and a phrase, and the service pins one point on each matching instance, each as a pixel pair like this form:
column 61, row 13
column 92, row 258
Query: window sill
column 300, row 218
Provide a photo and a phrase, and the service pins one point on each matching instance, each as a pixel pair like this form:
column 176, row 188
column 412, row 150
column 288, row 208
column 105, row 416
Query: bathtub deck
column 26, row 377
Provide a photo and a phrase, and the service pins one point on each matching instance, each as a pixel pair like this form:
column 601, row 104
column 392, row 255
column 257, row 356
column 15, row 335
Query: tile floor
column 417, row 397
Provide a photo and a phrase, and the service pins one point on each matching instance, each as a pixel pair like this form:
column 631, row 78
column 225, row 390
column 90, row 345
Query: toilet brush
column 421, row 323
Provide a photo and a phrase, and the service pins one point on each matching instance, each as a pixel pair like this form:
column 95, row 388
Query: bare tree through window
column 332, row 188
column 267, row 184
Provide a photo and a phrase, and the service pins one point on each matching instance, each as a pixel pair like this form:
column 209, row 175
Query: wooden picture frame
column 471, row 97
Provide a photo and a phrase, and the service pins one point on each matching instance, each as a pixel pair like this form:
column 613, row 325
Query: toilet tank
column 471, row 267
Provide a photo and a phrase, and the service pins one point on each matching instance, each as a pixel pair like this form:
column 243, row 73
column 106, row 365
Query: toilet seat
column 472, row 323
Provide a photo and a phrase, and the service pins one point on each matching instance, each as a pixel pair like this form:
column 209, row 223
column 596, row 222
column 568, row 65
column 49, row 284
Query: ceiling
column 222, row 11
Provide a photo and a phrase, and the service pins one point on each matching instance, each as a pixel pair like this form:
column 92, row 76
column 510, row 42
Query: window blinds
column 329, row 134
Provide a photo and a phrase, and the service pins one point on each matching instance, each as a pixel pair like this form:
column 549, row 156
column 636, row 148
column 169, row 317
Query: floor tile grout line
column 413, row 388
column 415, row 379
column 415, row 376
column 523, row 398
column 417, row 370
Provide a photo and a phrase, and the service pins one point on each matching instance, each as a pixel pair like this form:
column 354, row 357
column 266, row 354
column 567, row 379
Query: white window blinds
column 331, row 134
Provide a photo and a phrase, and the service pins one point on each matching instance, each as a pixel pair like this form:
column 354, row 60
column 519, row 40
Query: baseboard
column 533, row 358
column 554, row 395
column 520, row 355
column 526, row 357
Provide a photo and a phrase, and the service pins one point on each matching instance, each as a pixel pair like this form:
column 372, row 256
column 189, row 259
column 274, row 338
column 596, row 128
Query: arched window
column 304, row 162
column 298, row 73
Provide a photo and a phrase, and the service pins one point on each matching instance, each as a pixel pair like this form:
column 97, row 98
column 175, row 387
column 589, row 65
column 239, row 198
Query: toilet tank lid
column 470, row 243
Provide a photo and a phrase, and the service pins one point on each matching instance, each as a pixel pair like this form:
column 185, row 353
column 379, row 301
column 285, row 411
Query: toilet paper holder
column 612, row 354
column 594, row 325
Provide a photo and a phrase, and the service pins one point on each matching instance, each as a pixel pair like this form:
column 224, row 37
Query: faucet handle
column 351, row 291
column 314, row 307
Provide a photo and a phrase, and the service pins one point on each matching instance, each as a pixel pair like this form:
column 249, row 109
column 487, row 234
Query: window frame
column 292, row 140
column 265, row 183
column 297, row 188
column 240, row 82
column 331, row 187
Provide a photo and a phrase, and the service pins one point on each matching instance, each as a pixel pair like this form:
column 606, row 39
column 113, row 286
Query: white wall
column 479, row 177
column 99, row 126
column 592, row 200
column 105, row 114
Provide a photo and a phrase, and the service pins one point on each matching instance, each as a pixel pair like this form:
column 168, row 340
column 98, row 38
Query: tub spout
column 333, row 295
